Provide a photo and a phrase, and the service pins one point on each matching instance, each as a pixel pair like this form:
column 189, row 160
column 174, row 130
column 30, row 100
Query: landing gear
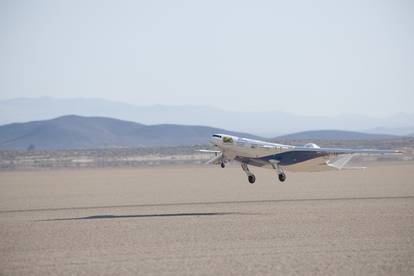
column 250, row 175
column 222, row 165
column 282, row 177
column 280, row 173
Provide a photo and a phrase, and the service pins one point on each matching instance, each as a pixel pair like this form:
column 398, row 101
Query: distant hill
column 400, row 131
column 334, row 135
column 77, row 132
column 262, row 123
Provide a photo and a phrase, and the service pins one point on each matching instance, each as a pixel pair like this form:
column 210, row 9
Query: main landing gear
column 252, row 178
column 250, row 175
column 282, row 177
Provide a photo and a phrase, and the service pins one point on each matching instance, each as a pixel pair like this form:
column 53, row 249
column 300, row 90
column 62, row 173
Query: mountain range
column 78, row 132
column 262, row 123
column 332, row 135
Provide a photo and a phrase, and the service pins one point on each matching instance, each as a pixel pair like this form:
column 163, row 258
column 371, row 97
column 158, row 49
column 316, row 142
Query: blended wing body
column 278, row 156
column 310, row 159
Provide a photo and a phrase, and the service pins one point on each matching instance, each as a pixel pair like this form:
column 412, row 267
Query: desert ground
column 204, row 220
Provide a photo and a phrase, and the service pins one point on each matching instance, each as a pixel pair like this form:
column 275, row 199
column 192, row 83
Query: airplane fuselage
column 233, row 146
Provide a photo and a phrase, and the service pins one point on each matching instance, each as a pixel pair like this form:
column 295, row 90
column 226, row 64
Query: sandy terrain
column 207, row 220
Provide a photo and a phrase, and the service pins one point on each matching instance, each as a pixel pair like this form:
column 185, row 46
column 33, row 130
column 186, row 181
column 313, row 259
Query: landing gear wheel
column 251, row 178
column 222, row 165
column 282, row 177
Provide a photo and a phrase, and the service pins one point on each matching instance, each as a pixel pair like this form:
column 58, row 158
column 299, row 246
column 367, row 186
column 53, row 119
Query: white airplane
column 309, row 157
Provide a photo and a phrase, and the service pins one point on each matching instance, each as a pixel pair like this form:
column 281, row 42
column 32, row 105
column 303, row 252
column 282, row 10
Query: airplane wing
column 311, row 158
column 317, row 159
column 326, row 158
column 345, row 151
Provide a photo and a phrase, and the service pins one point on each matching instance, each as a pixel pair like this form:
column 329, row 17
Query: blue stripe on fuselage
column 293, row 157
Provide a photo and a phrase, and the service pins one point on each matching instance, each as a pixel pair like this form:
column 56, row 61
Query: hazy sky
column 304, row 57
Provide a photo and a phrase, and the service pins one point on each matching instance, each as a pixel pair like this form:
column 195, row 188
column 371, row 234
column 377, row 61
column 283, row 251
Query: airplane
column 309, row 157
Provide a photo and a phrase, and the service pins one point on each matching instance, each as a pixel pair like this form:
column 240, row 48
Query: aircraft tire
column 251, row 178
column 223, row 165
column 282, row 177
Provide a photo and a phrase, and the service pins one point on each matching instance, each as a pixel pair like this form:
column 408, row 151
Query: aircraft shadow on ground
column 146, row 216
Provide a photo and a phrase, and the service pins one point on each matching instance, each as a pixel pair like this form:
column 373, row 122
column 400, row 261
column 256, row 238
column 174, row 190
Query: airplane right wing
column 317, row 159
column 345, row 151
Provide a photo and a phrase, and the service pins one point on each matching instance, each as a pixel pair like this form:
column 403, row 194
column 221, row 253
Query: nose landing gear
column 222, row 165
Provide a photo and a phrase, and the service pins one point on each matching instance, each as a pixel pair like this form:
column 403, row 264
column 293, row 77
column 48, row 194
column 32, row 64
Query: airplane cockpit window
column 215, row 135
column 227, row 139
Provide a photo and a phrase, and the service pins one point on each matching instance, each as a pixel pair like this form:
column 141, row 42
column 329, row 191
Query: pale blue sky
column 303, row 57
